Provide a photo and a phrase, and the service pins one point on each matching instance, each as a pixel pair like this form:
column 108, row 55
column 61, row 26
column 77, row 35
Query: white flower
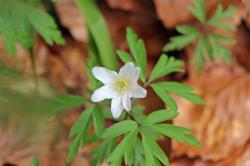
column 118, row 87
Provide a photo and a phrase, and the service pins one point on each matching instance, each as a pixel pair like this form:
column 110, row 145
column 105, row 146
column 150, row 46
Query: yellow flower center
column 121, row 84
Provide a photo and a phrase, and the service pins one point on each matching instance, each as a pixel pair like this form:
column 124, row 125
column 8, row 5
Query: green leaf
column 82, row 121
column 125, row 57
column 179, row 42
column 157, row 151
column 98, row 29
column 179, row 89
column 92, row 62
column 149, row 158
column 34, row 161
column 119, row 129
column 138, row 114
column 98, row 121
column 219, row 52
column 117, row 154
column 138, row 51
column 164, row 66
column 139, row 159
column 164, row 97
column 142, row 59
column 179, row 134
column 18, row 22
column 132, row 40
column 160, row 116
column 223, row 38
column 219, row 15
column 187, row 30
column 102, row 151
column 63, row 102
column 201, row 51
column 199, row 10
column 80, row 137
column 129, row 155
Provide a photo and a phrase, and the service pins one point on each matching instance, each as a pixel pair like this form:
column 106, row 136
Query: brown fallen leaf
column 132, row 5
column 222, row 124
column 72, row 18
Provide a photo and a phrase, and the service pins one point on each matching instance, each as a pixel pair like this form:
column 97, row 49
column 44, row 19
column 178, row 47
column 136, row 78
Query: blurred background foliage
column 35, row 67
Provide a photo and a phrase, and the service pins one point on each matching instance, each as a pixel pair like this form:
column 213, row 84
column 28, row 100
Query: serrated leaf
column 142, row 59
column 219, row 52
column 101, row 152
column 19, row 20
column 129, row 155
column 199, row 10
column 219, row 15
column 138, row 51
column 187, row 30
column 179, row 42
column 91, row 62
column 98, row 121
column 119, row 129
column 160, row 116
column 179, row 89
column 179, row 134
column 34, row 161
column 82, row 121
column 139, row 159
column 125, row 57
column 80, row 137
column 201, row 51
column 132, row 40
column 224, row 38
column 165, row 97
column 63, row 102
column 99, row 31
column 164, row 66
column 149, row 158
column 117, row 154
column 157, row 151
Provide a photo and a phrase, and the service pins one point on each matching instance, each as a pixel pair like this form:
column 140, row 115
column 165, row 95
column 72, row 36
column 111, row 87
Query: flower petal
column 129, row 72
column 104, row 92
column 137, row 91
column 116, row 106
column 126, row 101
column 104, row 75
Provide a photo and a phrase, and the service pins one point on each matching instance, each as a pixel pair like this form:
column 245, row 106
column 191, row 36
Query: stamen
column 121, row 84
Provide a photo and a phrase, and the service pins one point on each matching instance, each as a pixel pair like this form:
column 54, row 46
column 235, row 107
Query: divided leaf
column 98, row 121
column 102, row 151
column 220, row 15
column 125, row 57
column 120, row 128
column 80, row 131
column 149, row 157
column 156, row 150
column 179, row 134
column 198, row 10
column 19, row 20
column 63, row 102
column 138, row 50
column 119, row 151
column 160, row 116
column 164, row 97
column 165, row 66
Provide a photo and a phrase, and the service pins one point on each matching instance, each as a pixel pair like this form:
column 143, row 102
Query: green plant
column 20, row 19
column 133, row 136
column 209, row 45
